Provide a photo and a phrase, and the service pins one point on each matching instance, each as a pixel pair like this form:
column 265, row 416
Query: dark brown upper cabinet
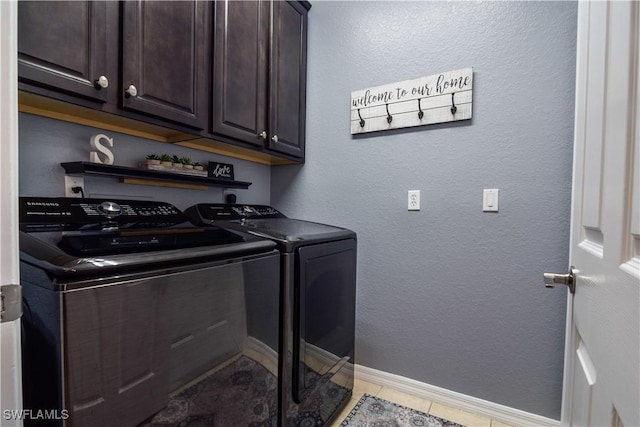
column 146, row 57
column 63, row 46
column 240, row 70
column 164, row 59
column 259, row 74
column 225, row 76
column 288, row 78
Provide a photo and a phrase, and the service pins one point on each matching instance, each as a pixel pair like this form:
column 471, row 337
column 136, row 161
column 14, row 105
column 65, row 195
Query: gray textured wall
column 450, row 295
column 45, row 143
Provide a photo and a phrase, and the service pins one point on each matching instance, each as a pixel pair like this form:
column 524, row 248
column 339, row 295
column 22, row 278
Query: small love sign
column 439, row 98
column 220, row 170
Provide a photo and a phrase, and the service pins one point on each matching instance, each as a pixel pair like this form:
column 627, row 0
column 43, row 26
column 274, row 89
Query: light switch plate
column 490, row 199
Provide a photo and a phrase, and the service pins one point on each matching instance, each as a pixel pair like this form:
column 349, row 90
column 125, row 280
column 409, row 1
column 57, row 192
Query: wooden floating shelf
column 150, row 177
column 59, row 110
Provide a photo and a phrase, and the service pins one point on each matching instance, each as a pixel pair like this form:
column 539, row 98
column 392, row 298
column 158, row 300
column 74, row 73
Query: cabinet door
column 240, row 70
column 63, row 46
column 164, row 63
column 287, row 104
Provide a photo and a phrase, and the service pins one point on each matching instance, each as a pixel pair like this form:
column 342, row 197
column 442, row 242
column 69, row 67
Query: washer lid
column 69, row 235
column 83, row 254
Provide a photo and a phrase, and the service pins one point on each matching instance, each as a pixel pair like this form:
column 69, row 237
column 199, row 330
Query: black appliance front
column 318, row 271
column 111, row 332
column 323, row 327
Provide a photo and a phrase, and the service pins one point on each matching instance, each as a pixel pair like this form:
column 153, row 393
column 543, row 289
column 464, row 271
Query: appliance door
column 124, row 343
column 324, row 315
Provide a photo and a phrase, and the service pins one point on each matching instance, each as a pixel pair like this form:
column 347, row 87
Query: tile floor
column 415, row 402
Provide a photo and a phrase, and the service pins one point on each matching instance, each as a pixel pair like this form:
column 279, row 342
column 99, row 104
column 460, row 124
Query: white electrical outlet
column 72, row 184
column 413, row 200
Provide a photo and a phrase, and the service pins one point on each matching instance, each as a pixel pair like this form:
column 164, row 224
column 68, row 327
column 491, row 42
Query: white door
column 10, row 381
column 602, row 370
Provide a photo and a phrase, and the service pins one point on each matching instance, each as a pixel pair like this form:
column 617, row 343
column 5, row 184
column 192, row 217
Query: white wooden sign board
column 440, row 98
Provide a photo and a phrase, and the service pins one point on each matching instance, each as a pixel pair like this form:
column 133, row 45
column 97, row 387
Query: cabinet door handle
column 274, row 138
column 131, row 91
column 102, row 82
column 263, row 134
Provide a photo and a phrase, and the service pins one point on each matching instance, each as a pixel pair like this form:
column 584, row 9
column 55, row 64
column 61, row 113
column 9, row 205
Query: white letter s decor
column 95, row 144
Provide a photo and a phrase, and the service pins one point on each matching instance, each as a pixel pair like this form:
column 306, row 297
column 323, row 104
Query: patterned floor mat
column 371, row 411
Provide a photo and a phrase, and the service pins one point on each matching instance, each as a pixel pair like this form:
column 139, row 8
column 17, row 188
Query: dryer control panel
column 208, row 213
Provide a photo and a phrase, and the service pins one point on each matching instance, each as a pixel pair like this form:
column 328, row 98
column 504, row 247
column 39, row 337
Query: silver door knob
column 102, row 82
column 274, row 138
column 263, row 134
column 569, row 279
column 131, row 91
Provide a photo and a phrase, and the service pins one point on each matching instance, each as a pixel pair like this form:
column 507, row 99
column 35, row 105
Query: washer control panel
column 69, row 210
column 112, row 209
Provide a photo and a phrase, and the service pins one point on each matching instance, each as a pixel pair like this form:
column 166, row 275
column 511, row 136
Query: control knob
column 109, row 209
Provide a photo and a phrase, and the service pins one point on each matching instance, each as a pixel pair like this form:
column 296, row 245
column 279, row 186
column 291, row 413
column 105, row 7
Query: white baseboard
column 255, row 344
column 443, row 396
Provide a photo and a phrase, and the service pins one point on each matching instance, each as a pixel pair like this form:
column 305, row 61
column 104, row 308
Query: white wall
column 449, row 296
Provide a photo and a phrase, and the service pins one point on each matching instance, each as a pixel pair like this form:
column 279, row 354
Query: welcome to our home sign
column 439, row 98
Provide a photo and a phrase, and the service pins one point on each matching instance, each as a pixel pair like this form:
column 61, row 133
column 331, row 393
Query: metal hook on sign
column 361, row 119
column 453, row 104
column 420, row 112
column 389, row 118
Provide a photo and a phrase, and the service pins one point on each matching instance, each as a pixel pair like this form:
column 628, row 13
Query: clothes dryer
column 318, row 289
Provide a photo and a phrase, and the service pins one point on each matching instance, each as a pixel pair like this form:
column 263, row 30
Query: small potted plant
column 197, row 166
column 165, row 160
column 186, row 163
column 177, row 163
column 153, row 159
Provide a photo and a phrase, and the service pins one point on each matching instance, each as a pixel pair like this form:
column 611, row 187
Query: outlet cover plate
column 73, row 181
column 413, row 200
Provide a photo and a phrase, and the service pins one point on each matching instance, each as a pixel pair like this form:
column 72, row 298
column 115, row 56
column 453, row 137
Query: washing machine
column 133, row 315
column 317, row 308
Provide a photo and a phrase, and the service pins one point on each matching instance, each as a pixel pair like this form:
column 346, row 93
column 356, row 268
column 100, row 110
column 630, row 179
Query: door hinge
column 10, row 303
